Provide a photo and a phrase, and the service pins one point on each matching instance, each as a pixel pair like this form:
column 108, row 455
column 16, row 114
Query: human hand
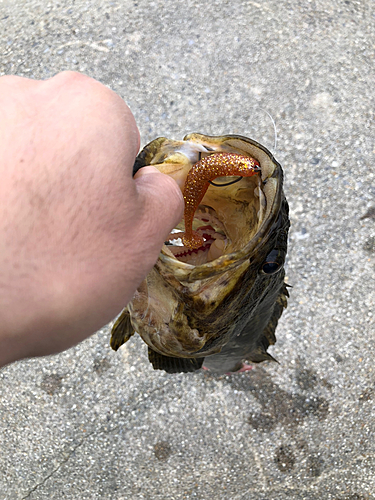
column 77, row 232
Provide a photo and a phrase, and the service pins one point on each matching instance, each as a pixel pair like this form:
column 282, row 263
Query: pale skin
column 78, row 233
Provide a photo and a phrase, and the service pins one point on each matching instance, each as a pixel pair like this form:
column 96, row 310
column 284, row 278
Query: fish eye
column 273, row 262
column 271, row 267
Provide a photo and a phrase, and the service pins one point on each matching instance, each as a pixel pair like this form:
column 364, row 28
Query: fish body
column 217, row 305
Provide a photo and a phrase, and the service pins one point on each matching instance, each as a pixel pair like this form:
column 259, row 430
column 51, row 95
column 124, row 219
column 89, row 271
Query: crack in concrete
column 58, row 467
column 93, row 433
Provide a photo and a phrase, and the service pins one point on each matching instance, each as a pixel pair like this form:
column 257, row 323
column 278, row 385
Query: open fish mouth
column 220, row 269
column 227, row 213
column 232, row 211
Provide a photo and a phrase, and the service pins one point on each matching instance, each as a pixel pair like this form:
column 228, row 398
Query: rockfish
column 217, row 291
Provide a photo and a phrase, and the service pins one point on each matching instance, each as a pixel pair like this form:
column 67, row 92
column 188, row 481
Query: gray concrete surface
column 93, row 424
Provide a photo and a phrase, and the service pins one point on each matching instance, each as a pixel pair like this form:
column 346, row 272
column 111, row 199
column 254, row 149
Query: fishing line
column 274, row 126
column 226, row 183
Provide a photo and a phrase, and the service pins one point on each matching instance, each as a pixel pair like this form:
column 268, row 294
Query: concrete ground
column 94, row 424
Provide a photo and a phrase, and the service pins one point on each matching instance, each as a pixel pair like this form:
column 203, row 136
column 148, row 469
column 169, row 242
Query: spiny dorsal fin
column 174, row 365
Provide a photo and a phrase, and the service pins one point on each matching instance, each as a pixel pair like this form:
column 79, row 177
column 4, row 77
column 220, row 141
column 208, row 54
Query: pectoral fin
column 122, row 330
column 268, row 338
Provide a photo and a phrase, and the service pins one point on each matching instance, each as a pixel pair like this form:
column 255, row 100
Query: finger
column 163, row 199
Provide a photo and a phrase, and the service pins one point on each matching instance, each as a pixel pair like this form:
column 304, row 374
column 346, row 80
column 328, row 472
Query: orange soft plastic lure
column 198, row 181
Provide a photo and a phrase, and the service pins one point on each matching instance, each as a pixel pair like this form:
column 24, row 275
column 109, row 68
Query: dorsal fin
column 174, row 365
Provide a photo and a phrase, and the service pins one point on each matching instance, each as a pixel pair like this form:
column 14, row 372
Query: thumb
column 162, row 201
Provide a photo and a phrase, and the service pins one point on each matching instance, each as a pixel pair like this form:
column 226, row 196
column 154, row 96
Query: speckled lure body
column 216, row 305
column 198, row 180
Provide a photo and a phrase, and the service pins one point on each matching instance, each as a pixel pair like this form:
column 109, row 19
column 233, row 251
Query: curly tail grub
column 197, row 182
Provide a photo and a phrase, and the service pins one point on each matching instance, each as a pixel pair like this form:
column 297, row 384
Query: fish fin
column 122, row 330
column 268, row 337
column 281, row 303
column 174, row 365
column 259, row 355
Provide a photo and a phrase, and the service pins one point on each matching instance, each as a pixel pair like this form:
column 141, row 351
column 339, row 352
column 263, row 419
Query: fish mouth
column 230, row 215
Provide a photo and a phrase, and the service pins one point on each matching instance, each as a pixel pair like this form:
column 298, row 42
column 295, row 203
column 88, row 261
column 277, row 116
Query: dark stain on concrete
column 101, row 365
column 284, row 458
column 306, row 379
column 367, row 395
column 51, row 383
column 162, row 450
column 315, row 465
column 278, row 405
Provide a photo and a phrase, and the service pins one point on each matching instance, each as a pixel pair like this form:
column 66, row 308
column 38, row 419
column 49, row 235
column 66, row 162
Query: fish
column 217, row 291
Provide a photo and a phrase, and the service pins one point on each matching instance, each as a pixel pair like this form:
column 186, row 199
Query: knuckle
column 70, row 77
